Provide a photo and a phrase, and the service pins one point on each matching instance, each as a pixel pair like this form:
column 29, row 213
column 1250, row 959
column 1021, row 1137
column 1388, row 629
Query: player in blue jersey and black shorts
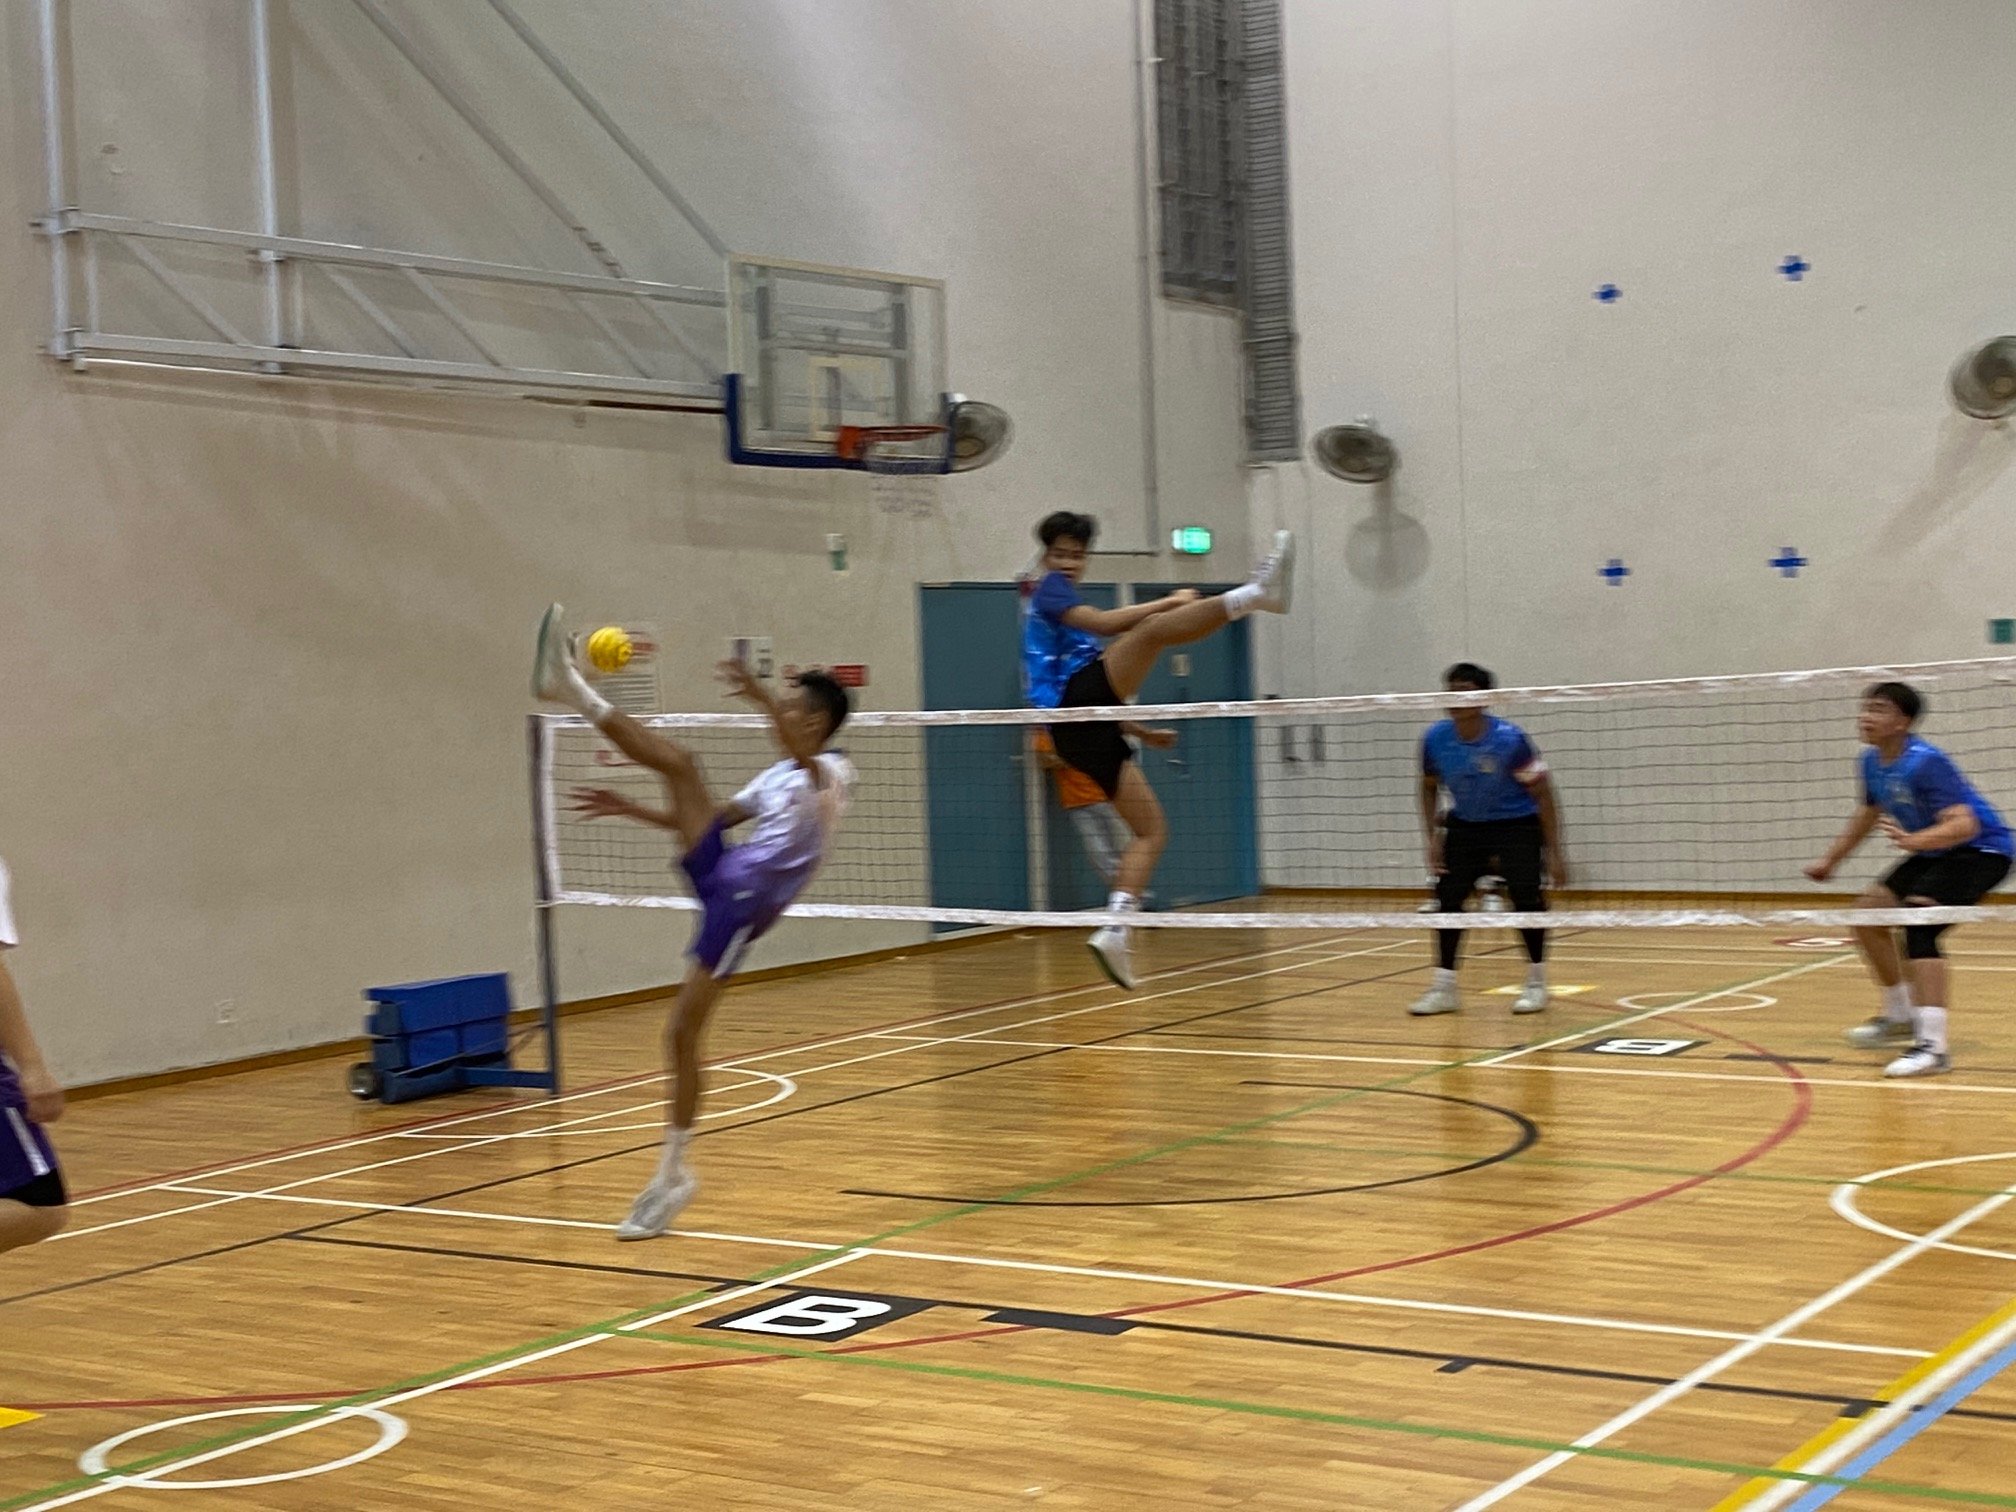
column 1956, row 849
column 1068, row 662
column 1501, row 820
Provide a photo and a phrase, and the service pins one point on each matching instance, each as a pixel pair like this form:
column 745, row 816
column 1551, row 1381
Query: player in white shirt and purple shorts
column 32, row 1199
column 742, row 888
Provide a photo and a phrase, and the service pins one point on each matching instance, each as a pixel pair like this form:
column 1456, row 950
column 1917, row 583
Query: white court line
column 973, row 1036
column 1889, row 1086
column 785, row 1087
column 466, row 1142
column 336, row 1414
column 739, row 1063
column 1611, row 1027
column 1191, row 1283
column 1797, row 1318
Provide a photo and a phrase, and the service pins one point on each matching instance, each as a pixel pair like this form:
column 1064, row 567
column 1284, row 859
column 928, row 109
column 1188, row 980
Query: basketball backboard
column 813, row 349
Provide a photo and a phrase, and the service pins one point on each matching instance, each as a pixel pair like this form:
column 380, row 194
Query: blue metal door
column 974, row 794
column 1207, row 783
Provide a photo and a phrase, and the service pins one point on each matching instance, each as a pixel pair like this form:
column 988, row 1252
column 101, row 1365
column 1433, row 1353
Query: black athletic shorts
column 1957, row 879
column 1097, row 749
column 45, row 1191
column 1509, row 848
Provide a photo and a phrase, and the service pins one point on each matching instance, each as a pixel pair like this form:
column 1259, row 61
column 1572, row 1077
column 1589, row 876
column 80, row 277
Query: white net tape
column 1684, row 802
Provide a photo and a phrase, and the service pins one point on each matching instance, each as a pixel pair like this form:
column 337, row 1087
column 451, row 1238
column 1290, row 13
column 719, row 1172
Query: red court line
column 1795, row 1118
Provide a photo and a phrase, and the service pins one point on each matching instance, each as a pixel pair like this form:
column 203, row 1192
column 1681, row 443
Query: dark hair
column 1902, row 697
column 828, row 697
column 1063, row 525
column 1471, row 673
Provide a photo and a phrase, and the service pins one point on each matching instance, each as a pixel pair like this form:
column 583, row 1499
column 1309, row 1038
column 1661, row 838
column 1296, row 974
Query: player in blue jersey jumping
column 1956, row 849
column 1501, row 819
column 1068, row 662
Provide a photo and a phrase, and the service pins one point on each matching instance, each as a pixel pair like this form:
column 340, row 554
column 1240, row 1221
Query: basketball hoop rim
column 855, row 442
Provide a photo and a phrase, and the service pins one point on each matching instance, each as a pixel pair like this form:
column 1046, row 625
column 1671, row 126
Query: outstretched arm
column 799, row 744
column 604, row 803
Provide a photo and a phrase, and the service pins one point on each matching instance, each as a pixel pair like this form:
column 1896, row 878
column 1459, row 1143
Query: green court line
column 413, row 1383
column 1335, row 1419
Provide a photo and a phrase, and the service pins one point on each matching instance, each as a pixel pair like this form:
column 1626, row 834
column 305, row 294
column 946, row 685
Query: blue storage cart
column 440, row 1036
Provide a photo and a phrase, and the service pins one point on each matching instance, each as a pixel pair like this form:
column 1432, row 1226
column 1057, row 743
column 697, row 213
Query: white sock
column 1445, row 977
column 1536, row 974
column 1897, row 1004
column 1241, row 601
column 592, row 705
column 1123, row 902
column 673, row 1162
column 1932, row 1028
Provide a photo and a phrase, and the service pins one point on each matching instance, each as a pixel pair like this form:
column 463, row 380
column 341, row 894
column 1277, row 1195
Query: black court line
column 1526, row 1135
column 137, row 1270
column 699, row 1278
column 1096, row 1324
column 560, row 1167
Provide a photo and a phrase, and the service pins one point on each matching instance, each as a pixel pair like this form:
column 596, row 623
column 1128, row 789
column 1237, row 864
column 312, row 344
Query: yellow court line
column 1841, row 1427
column 12, row 1418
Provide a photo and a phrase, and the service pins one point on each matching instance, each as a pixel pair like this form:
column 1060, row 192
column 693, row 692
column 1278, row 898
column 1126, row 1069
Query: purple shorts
column 28, row 1169
column 738, row 904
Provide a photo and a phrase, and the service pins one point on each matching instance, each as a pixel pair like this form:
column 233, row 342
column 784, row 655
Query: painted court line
column 479, row 1140
column 593, row 1333
column 468, row 1142
column 1903, row 1431
column 207, row 1173
column 1192, row 1283
column 316, row 1417
column 1796, row 1319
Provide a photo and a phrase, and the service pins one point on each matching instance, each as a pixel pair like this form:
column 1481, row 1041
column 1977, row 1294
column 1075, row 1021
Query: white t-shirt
column 794, row 818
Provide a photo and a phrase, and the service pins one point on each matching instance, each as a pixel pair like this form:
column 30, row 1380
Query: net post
column 539, row 747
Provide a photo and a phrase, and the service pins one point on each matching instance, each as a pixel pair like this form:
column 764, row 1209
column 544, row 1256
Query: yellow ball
column 609, row 649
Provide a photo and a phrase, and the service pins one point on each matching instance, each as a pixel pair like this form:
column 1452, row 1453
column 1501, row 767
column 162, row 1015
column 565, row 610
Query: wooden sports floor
column 978, row 1231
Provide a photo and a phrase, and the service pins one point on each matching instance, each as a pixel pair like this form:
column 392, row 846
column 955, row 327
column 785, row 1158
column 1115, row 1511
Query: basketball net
column 903, row 484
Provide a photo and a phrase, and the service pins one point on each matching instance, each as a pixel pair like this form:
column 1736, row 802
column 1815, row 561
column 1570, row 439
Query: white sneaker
column 1920, row 1060
column 1275, row 576
column 553, row 673
column 1880, row 1033
column 1532, row 998
column 1114, row 952
column 656, row 1207
column 1441, row 998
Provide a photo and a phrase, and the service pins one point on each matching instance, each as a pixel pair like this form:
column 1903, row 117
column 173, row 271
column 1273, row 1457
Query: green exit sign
column 1190, row 540
column 2002, row 632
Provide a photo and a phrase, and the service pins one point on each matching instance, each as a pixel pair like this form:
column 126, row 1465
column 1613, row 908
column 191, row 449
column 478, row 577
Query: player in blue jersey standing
column 1956, row 849
column 1501, row 819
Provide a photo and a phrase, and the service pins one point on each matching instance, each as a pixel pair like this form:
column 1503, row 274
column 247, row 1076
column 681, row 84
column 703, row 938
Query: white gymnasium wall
column 1467, row 173
column 264, row 743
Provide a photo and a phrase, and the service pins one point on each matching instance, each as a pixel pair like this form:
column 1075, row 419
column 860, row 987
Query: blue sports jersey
column 1921, row 784
column 1488, row 778
column 1051, row 649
